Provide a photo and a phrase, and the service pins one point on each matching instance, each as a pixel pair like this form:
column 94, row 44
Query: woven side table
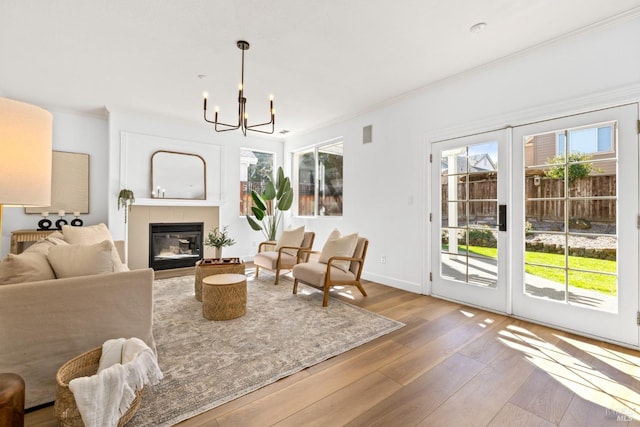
column 11, row 400
column 224, row 296
column 205, row 269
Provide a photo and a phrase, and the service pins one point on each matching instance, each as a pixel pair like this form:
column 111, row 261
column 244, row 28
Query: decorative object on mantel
column 275, row 199
column 61, row 221
column 218, row 239
column 125, row 199
column 76, row 221
column 25, row 155
column 45, row 223
column 242, row 107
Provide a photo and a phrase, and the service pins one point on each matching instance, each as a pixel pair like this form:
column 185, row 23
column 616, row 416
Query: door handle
column 502, row 218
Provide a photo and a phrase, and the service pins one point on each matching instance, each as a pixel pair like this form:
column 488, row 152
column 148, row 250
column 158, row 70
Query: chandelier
column 242, row 108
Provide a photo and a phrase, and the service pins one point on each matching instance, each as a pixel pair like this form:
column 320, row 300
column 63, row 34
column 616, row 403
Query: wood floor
column 450, row 366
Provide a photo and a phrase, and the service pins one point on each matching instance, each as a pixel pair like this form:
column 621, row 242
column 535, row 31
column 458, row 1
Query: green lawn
column 580, row 279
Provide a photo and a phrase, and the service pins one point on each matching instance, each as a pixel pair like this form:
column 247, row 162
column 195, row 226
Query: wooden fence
column 542, row 199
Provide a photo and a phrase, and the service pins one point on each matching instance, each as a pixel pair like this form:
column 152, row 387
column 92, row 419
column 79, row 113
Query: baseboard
column 416, row 288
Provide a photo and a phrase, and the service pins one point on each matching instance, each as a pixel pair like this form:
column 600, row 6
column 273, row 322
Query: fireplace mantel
column 176, row 202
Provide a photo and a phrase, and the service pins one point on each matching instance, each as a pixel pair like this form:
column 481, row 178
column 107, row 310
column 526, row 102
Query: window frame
column 316, row 150
column 560, row 151
column 273, row 171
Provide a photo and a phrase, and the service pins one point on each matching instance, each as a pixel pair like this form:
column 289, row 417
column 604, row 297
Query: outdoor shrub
column 484, row 238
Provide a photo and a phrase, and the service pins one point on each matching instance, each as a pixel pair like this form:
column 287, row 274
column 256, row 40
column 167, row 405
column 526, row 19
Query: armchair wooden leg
column 362, row 291
column 277, row 276
column 325, row 299
column 257, row 271
column 295, row 286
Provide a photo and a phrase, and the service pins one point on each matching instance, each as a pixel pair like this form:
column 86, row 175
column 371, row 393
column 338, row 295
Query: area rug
column 208, row 363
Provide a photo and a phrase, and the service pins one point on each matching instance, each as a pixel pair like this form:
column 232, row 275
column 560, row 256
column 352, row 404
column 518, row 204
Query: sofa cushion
column 86, row 235
column 26, row 267
column 42, row 246
column 339, row 245
column 312, row 273
column 291, row 237
column 85, row 260
column 269, row 259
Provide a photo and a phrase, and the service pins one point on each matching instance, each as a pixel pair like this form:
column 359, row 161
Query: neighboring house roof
column 477, row 163
column 248, row 156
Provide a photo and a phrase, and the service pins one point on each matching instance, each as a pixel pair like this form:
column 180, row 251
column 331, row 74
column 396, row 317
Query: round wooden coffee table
column 224, row 296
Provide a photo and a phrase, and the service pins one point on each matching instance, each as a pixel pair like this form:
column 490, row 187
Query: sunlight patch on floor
column 623, row 362
column 577, row 375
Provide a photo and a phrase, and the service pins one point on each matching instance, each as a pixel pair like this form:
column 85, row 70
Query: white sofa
column 44, row 323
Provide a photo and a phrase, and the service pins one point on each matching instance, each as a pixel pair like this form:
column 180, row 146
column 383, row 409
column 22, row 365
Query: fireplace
column 175, row 245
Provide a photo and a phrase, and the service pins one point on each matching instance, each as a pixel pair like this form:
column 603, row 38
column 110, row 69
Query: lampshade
column 25, row 154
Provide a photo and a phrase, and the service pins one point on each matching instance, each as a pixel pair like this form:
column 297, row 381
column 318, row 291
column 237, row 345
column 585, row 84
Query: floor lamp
column 25, row 155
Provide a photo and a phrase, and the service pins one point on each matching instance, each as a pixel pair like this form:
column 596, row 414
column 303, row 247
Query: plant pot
column 217, row 252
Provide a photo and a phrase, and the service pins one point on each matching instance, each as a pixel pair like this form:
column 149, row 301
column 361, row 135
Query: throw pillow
column 42, row 246
column 339, row 245
column 86, row 235
column 85, row 260
column 26, row 267
column 292, row 237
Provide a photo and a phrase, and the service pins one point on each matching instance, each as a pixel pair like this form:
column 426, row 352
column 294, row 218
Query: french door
column 575, row 233
column 469, row 183
column 541, row 221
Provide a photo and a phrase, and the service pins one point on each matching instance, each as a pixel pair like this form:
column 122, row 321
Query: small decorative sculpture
column 61, row 221
column 45, row 223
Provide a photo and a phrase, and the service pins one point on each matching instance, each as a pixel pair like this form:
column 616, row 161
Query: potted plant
column 276, row 198
column 218, row 239
column 125, row 200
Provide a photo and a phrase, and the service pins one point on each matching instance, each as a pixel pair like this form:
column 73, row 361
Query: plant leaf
column 258, row 200
column 280, row 179
column 286, row 201
column 254, row 224
column 269, row 192
column 258, row 213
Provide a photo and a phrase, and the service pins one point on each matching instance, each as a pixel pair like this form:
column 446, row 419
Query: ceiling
column 322, row 60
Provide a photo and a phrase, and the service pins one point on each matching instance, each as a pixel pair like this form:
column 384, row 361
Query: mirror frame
column 178, row 153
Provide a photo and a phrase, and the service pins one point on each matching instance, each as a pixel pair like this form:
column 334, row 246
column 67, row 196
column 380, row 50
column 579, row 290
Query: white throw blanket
column 126, row 365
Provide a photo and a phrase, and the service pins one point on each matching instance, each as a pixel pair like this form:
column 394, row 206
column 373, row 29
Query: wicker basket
column 82, row 366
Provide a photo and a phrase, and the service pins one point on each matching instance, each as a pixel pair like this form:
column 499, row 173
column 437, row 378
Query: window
column 321, row 196
column 586, row 140
column 256, row 167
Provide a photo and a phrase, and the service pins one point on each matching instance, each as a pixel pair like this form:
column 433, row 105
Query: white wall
column 385, row 189
column 79, row 133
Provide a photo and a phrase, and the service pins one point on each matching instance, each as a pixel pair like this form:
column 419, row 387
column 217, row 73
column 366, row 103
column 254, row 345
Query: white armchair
column 284, row 258
column 336, row 271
